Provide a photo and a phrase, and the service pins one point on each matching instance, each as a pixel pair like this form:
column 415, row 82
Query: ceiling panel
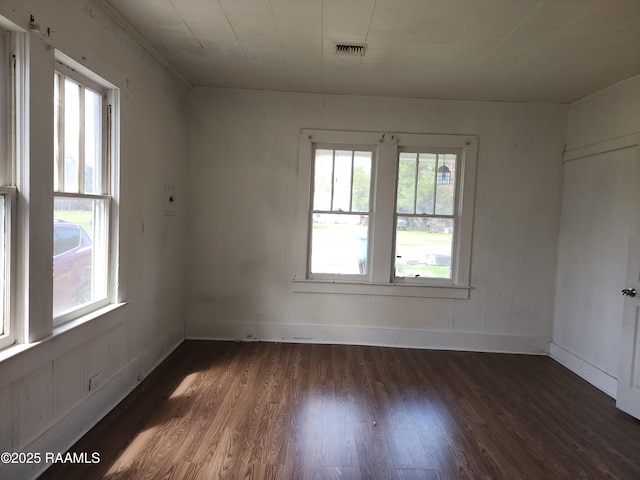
column 527, row 50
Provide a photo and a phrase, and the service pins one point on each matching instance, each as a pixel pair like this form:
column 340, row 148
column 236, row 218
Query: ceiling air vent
column 351, row 49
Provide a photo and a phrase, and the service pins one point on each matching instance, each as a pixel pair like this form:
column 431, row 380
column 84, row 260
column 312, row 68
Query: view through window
column 425, row 215
column 386, row 210
column 340, row 214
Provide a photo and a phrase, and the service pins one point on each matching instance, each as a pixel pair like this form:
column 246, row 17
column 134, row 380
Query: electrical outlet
column 94, row 382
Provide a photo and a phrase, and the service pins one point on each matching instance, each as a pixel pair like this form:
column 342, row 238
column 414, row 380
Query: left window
column 82, row 250
column 7, row 187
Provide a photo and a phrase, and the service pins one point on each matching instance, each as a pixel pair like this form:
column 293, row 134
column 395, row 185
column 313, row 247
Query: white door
column 628, row 397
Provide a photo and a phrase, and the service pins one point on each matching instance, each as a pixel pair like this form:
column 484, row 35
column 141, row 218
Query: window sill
column 17, row 349
column 388, row 289
column 66, row 326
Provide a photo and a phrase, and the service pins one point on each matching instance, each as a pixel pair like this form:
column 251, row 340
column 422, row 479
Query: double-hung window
column 83, row 186
column 8, row 59
column 385, row 213
column 340, row 211
column 426, row 220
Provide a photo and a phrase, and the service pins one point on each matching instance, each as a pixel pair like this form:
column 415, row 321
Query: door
column 628, row 397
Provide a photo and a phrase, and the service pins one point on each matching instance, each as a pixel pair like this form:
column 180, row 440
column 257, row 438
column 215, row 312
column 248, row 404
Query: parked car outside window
column 72, row 251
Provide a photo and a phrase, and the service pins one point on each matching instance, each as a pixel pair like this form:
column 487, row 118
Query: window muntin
column 340, row 213
column 82, row 200
column 426, row 215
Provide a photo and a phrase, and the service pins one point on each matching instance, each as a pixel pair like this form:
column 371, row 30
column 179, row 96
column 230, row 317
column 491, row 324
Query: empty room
column 320, row 239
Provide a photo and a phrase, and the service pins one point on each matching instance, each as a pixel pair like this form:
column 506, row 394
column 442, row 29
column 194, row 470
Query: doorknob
column 631, row 292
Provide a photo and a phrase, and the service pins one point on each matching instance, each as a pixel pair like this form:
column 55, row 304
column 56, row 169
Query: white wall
column 243, row 178
column 594, row 235
column 45, row 404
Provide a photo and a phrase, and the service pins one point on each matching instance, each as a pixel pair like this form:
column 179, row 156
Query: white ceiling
column 505, row 50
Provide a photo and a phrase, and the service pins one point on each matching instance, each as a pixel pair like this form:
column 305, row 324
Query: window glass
column 92, row 142
column 71, row 135
column 80, row 248
column 406, row 183
column 446, row 185
column 323, row 180
column 426, row 183
column 361, row 194
column 423, row 247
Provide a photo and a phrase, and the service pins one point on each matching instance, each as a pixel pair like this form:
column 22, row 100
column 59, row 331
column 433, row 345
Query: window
column 8, row 51
column 340, row 211
column 426, row 215
column 83, row 204
column 387, row 214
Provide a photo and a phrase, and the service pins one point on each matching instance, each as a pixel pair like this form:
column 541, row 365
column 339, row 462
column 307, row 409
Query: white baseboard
column 69, row 429
column 592, row 374
column 377, row 336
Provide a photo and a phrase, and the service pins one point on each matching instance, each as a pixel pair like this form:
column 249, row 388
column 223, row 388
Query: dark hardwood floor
column 291, row 411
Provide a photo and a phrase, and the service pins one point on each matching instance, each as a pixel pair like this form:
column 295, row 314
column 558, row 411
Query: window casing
column 418, row 223
column 83, row 195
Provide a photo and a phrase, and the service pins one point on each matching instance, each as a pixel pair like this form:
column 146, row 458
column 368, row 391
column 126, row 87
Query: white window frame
column 312, row 211
column 67, row 67
column 380, row 279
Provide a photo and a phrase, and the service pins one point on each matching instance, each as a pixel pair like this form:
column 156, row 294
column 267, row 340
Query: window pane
column 80, row 246
column 361, row 182
column 424, row 247
column 342, row 181
column 426, row 183
column 56, row 132
column 406, row 183
column 3, row 269
column 446, row 184
column 339, row 244
column 71, row 135
column 323, row 180
column 92, row 142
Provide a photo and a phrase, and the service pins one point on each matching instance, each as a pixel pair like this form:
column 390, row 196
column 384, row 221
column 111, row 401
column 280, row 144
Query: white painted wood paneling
column 45, row 404
column 601, row 133
column 6, row 420
column 592, row 256
column 32, row 405
column 68, row 381
column 243, row 164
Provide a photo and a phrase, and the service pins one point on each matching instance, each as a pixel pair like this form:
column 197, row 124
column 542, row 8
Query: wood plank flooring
column 291, row 411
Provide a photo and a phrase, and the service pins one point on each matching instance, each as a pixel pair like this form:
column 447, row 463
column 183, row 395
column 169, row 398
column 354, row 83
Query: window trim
column 380, row 280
